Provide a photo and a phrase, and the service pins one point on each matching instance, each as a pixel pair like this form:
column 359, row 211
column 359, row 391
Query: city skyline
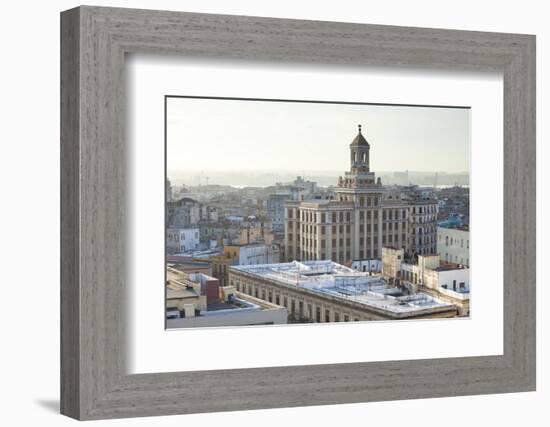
column 221, row 135
column 267, row 178
column 250, row 243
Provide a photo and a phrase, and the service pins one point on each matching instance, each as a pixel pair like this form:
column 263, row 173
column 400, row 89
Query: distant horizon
column 240, row 179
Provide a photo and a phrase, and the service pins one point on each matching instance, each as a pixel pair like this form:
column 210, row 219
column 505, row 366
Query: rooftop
column 338, row 281
column 359, row 139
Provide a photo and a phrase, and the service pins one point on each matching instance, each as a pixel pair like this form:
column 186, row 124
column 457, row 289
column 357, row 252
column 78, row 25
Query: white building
column 446, row 281
column 367, row 265
column 324, row 291
column 453, row 245
column 179, row 240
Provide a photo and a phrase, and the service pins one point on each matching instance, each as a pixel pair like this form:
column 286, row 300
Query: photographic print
column 292, row 211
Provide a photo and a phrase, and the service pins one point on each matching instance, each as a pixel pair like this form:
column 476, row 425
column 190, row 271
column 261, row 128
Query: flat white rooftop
column 338, row 281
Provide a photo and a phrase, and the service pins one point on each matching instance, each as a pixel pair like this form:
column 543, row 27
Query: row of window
column 176, row 237
column 387, row 214
column 456, row 259
column 450, row 241
column 296, row 308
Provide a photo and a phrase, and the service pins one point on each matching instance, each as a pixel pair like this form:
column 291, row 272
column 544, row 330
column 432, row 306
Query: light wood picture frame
column 94, row 379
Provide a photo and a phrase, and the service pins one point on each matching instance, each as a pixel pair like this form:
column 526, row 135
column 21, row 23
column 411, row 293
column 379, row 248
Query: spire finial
column 359, row 127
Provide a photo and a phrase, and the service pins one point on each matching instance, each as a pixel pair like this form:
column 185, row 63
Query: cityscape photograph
column 293, row 212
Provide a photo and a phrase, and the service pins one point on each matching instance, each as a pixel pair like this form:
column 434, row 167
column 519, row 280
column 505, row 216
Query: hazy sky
column 228, row 135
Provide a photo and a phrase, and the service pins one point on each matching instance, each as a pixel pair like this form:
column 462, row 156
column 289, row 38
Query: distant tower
column 359, row 153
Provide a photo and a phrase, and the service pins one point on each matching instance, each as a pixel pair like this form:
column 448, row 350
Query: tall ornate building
column 363, row 217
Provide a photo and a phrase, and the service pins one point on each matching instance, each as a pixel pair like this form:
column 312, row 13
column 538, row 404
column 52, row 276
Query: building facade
column 453, row 245
column 276, row 210
column 179, row 240
column 324, row 291
column 252, row 254
column 361, row 218
column 445, row 281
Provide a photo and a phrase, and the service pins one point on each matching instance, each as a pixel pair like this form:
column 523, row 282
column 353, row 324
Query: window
column 327, row 315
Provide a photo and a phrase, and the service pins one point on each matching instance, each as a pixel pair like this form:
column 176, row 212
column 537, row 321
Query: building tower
column 363, row 217
column 359, row 153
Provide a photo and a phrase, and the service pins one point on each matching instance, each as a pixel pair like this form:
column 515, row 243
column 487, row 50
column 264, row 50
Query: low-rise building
column 197, row 300
column 445, row 281
column 179, row 240
column 324, row 291
column 255, row 253
column 188, row 264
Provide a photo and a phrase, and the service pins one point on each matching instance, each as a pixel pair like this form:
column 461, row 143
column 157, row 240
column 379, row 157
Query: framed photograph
column 280, row 213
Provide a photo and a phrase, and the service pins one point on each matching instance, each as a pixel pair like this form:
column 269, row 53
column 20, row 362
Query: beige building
column 324, row 291
column 255, row 253
column 363, row 217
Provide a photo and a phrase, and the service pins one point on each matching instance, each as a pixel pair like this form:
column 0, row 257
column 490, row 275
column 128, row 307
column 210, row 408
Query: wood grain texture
column 70, row 292
column 94, row 382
